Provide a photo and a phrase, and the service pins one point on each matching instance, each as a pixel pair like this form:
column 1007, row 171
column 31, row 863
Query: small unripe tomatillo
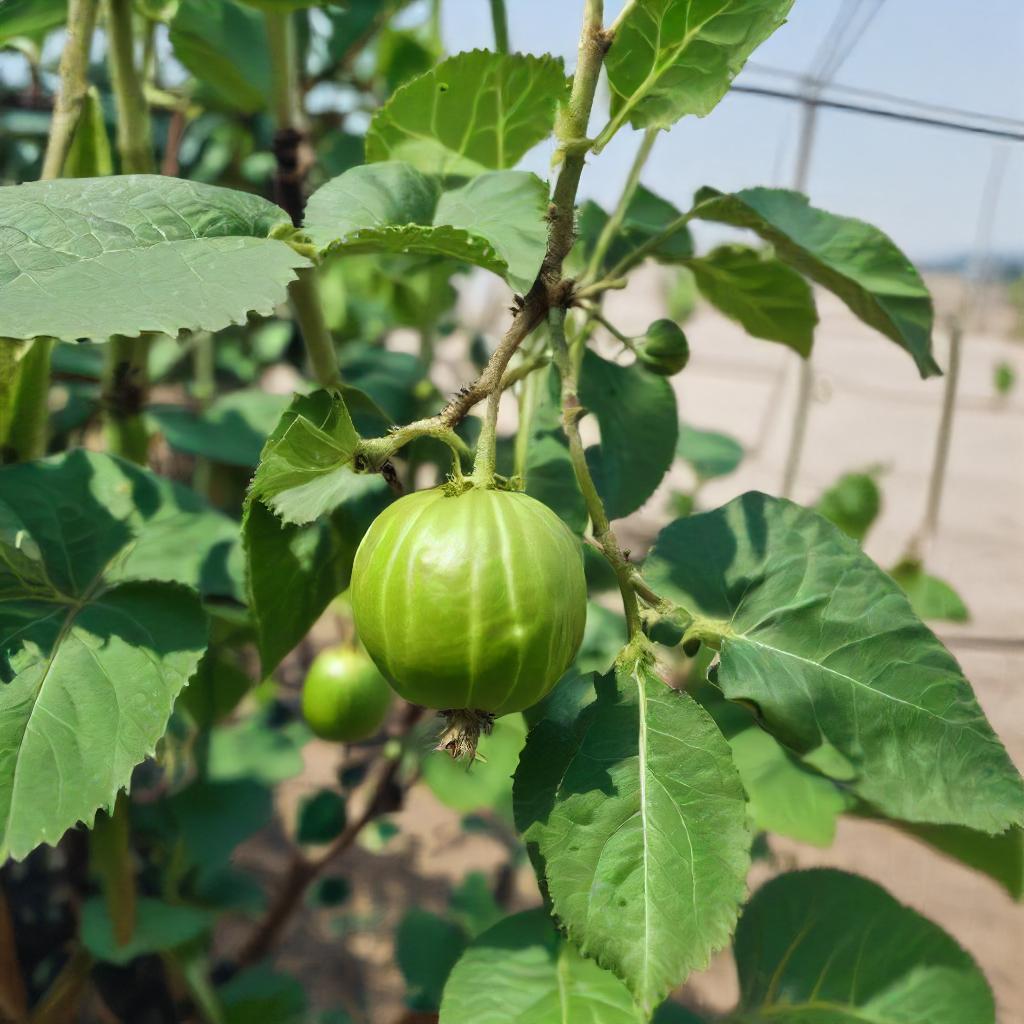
column 344, row 697
column 663, row 349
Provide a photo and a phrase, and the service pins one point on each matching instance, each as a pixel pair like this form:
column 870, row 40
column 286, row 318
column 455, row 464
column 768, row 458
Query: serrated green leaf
column 97, row 634
column 827, row 648
column 90, row 155
column 676, row 57
column 305, row 469
column 751, row 286
column 635, row 813
column 782, row 796
column 853, row 503
column 827, row 946
column 426, row 948
column 30, row 17
column 709, row 453
column 495, row 221
column 92, row 257
column 159, row 926
column 474, row 112
column 929, row 596
column 636, row 412
column 224, row 44
column 520, row 972
column 854, row 260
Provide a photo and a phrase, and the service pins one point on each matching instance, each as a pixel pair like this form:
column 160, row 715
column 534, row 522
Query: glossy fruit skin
column 470, row 601
column 664, row 349
column 344, row 697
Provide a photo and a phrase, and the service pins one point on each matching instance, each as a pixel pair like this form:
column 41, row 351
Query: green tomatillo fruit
column 663, row 349
column 472, row 603
column 344, row 697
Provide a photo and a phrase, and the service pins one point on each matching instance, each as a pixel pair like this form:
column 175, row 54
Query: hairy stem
column 614, row 223
column 74, row 83
column 134, row 130
column 288, row 134
column 486, row 447
column 499, row 19
column 604, row 535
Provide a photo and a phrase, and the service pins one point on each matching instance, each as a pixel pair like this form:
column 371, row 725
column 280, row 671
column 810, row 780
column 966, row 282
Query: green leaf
column 474, row 112
column 321, row 817
column 635, row 813
column 646, row 215
column 487, row 784
column 549, row 475
column 473, row 904
column 827, row 648
column 521, row 972
column 92, row 257
column 256, row 750
column 30, row 17
column 426, row 949
column 929, row 596
column 158, row 926
column 852, row 259
column 636, row 412
column 224, row 44
column 306, row 465
column 260, row 994
column 676, row 57
column 495, row 221
column 853, row 503
column 783, row 797
column 90, row 155
column 709, row 453
column 232, row 430
column 99, row 634
column 751, row 286
column 826, row 946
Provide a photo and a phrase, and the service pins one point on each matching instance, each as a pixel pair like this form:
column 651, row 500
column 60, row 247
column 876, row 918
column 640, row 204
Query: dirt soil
column 870, row 408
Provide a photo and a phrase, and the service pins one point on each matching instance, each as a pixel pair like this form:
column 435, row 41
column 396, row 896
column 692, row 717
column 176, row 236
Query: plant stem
column 486, row 446
column 603, row 533
column 499, row 19
column 614, row 223
column 937, row 479
column 74, row 83
column 134, row 131
column 805, row 386
column 125, row 388
column 288, row 134
column 25, row 414
column 304, row 293
column 302, row 872
column 614, row 277
column 204, row 370
column 529, row 394
column 110, row 855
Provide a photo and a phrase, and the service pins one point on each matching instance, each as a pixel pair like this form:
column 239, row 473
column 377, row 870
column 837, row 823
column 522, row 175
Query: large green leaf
column 426, row 948
column 827, row 648
column 224, row 44
column 855, row 260
column 98, row 634
column 827, row 947
column 520, row 972
column 305, row 469
column 634, row 812
column 636, row 412
column 768, row 298
column 676, row 57
column 474, row 112
column 496, row 221
column 92, row 257
column 30, row 17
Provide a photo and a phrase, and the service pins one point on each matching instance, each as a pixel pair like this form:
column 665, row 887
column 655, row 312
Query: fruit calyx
column 462, row 732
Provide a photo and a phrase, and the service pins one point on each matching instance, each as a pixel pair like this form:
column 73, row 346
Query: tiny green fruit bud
column 663, row 349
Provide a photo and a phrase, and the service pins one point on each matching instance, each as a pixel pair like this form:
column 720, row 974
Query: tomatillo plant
column 763, row 676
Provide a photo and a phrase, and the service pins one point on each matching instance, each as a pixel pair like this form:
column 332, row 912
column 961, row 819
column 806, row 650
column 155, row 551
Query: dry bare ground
column 870, row 408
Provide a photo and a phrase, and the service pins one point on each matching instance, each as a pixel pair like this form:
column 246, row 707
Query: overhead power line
column 893, row 115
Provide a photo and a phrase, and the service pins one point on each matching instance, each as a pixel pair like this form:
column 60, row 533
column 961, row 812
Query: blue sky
column 922, row 185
